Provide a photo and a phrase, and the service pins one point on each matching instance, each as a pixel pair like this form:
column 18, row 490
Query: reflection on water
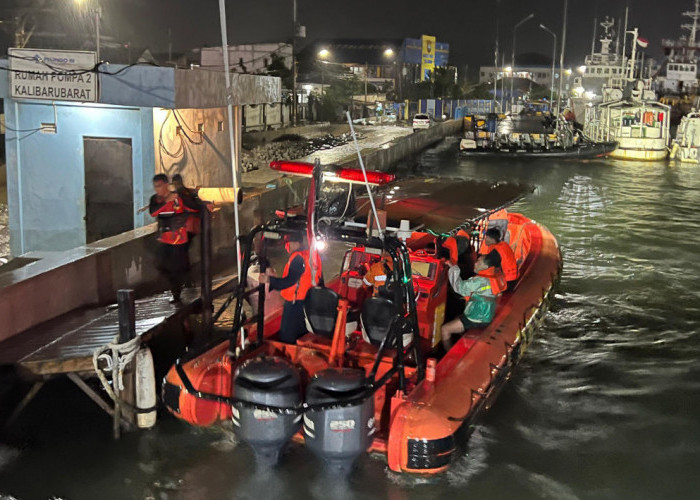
column 604, row 404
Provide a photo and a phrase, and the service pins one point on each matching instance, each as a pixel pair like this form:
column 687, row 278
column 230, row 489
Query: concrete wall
column 202, row 159
column 45, row 171
column 380, row 159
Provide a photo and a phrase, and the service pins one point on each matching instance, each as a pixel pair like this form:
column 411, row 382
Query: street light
column 98, row 12
column 520, row 23
column 323, row 54
column 554, row 56
column 390, row 54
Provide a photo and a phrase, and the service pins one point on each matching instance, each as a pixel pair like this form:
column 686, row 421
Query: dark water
column 604, row 405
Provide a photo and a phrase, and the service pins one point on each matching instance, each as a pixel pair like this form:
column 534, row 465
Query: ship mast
column 693, row 28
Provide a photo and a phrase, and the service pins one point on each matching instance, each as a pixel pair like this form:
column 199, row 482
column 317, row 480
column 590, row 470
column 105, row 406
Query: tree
column 441, row 85
column 338, row 95
column 278, row 68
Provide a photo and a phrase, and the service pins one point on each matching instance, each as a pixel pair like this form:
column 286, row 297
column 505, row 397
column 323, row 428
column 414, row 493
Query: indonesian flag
column 643, row 42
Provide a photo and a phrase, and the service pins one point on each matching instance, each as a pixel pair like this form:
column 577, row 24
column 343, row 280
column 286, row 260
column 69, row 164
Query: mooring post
column 127, row 315
column 206, row 257
column 127, row 331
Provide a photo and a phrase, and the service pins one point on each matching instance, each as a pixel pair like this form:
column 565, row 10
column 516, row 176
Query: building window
column 220, row 126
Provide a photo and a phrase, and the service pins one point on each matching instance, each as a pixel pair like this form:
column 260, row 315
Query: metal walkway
column 66, row 344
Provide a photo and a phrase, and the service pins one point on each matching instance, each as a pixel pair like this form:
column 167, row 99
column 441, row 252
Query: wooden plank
column 25, row 401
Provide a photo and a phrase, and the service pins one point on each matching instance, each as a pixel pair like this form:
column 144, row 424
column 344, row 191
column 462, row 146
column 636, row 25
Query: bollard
column 127, row 331
column 127, row 315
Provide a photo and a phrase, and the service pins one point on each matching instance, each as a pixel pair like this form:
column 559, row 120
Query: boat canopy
column 441, row 206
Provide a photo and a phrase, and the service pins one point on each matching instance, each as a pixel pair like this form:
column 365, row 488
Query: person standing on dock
column 293, row 285
column 172, row 259
column 191, row 200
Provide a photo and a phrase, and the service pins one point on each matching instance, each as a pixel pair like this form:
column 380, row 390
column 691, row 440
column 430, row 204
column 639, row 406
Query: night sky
column 469, row 26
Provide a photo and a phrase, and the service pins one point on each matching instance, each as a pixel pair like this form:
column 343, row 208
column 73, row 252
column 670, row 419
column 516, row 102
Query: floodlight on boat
column 320, row 244
column 356, row 175
column 293, row 167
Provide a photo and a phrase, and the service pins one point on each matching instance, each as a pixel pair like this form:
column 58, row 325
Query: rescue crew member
column 296, row 280
column 172, row 259
column 191, row 200
column 379, row 276
column 480, row 291
column 509, row 266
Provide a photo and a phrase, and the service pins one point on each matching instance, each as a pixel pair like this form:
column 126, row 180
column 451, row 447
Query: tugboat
column 687, row 142
column 366, row 377
column 630, row 115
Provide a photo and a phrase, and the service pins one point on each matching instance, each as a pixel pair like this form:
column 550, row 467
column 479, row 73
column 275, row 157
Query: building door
column 109, row 187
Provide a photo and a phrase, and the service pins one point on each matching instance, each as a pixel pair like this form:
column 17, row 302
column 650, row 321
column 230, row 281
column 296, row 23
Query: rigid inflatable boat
column 367, row 377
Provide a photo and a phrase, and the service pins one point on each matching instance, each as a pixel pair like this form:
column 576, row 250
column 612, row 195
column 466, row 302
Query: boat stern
column 421, row 440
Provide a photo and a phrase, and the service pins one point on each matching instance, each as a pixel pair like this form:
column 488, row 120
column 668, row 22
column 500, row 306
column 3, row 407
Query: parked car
column 421, row 121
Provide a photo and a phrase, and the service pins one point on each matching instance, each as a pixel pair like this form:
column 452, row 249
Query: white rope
column 124, row 354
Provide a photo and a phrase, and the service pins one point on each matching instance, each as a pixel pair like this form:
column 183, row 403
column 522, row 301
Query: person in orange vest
column 172, row 259
column 379, row 276
column 509, row 266
column 297, row 279
column 480, row 292
column 191, row 200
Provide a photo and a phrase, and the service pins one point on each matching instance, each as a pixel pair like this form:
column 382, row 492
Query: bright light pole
column 323, row 54
column 390, row 54
column 554, row 56
column 520, row 23
column 97, row 11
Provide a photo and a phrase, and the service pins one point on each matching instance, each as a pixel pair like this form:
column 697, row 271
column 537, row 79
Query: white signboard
column 55, row 75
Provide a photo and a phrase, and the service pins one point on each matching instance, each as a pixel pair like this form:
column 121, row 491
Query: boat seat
column 376, row 319
column 321, row 311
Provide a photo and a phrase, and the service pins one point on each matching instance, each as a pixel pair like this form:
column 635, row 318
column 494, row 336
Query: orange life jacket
column 508, row 264
column 298, row 290
column 496, row 280
column 171, row 222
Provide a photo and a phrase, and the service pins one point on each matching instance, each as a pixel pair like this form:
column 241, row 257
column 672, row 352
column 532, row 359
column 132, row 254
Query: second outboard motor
column 269, row 381
column 339, row 435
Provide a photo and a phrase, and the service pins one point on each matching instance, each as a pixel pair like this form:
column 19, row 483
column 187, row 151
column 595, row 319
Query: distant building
column 384, row 63
column 542, row 75
column 420, row 57
column 250, row 58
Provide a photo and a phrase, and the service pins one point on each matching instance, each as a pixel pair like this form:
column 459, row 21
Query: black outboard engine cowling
column 339, row 435
column 270, row 381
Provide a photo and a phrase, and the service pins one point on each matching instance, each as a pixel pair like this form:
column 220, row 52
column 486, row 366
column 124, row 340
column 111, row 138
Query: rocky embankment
column 289, row 146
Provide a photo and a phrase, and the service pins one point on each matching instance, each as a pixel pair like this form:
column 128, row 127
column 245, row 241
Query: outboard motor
column 269, row 381
column 339, row 435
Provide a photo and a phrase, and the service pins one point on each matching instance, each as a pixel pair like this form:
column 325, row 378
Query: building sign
column 427, row 65
column 55, row 75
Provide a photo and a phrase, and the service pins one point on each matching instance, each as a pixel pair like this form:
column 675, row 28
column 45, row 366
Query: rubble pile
column 289, row 147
